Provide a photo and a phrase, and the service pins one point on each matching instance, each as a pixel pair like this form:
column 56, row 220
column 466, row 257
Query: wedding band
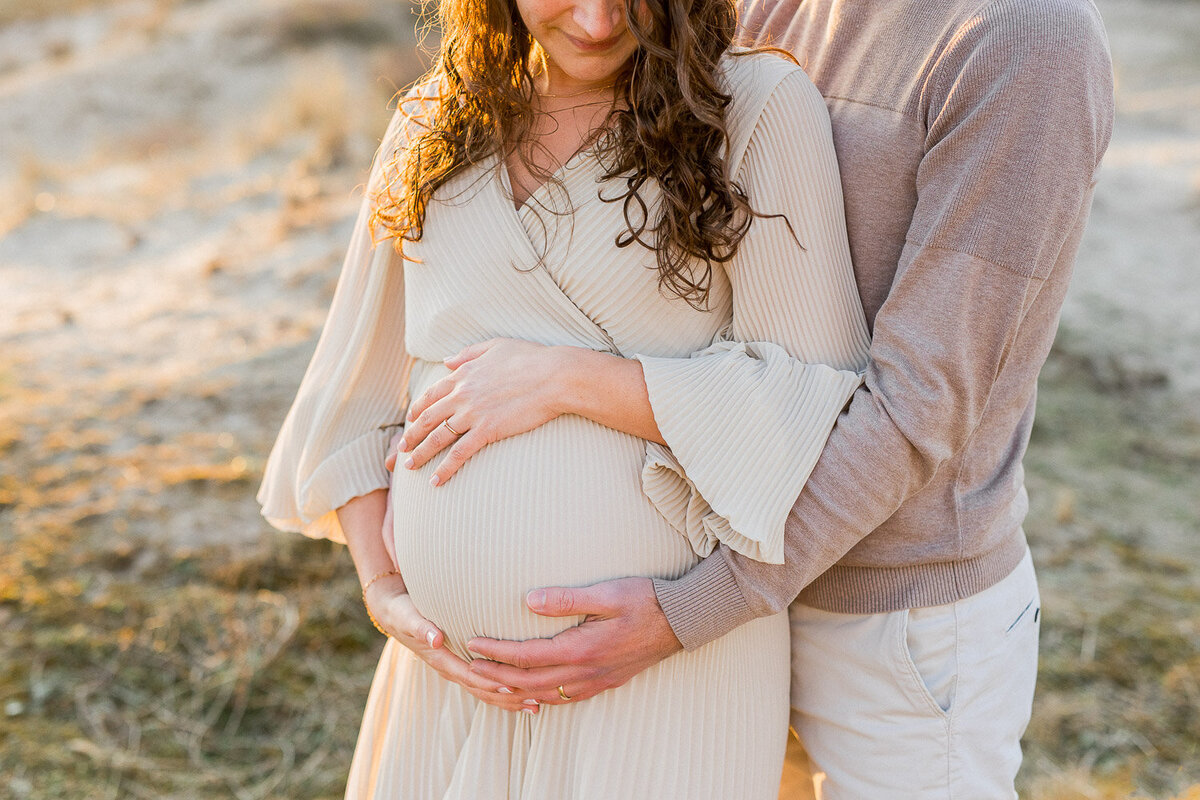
column 446, row 423
column 563, row 693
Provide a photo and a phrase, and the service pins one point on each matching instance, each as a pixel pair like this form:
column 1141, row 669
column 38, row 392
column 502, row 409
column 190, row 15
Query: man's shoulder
column 986, row 44
column 1027, row 22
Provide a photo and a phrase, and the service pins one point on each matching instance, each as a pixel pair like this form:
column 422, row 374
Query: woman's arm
column 503, row 387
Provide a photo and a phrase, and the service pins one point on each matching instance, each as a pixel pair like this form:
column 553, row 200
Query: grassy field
column 138, row 670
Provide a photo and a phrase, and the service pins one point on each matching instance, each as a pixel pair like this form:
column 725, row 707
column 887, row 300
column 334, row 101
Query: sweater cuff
column 704, row 604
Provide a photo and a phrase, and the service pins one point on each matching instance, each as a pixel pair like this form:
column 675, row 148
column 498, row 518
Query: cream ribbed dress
column 744, row 393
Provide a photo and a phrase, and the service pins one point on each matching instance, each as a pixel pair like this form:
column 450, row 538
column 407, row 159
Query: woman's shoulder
column 415, row 108
column 758, row 80
column 413, row 114
column 755, row 77
column 756, row 69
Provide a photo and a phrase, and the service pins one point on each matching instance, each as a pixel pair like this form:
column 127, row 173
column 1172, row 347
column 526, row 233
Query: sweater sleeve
column 331, row 447
column 1019, row 114
column 746, row 418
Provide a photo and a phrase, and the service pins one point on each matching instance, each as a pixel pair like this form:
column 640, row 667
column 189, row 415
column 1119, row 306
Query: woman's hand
column 388, row 601
column 497, row 389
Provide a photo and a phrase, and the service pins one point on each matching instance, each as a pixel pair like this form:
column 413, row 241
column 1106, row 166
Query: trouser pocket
column 929, row 651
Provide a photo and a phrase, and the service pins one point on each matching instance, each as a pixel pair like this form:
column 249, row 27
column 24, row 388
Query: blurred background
column 177, row 182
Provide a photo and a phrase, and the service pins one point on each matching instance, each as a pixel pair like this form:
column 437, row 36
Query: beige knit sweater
column 969, row 133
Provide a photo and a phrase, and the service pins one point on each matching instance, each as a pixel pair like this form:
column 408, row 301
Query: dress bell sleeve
column 331, row 447
column 746, row 418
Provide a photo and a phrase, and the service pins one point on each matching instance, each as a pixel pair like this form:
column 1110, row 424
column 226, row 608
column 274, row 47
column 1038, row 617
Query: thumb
column 557, row 601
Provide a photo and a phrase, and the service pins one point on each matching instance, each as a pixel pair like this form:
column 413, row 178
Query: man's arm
column 1018, row 119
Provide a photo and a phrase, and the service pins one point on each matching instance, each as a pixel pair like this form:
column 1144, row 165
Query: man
column 968, row 134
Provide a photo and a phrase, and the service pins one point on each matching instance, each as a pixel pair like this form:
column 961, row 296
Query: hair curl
column 670, row 128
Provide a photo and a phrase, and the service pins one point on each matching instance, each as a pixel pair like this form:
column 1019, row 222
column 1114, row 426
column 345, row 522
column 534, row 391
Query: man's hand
column 392, row 607
column 623, row 633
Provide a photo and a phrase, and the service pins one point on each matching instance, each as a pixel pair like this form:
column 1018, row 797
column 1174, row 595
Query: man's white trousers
column 922, row 703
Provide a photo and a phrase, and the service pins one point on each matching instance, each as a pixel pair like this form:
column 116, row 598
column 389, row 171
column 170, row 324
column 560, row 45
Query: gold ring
column 563, row 693
column 447, row 424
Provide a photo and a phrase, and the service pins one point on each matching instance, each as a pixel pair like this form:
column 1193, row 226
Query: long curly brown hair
column 667, row 126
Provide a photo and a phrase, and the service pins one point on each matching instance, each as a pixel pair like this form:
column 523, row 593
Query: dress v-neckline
column 526, row 249
column 586, row 151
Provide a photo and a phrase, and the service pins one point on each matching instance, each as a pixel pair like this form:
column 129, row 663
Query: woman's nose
column 600, row 19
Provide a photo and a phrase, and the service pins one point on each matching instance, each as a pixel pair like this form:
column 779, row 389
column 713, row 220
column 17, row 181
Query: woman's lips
column 589, row 46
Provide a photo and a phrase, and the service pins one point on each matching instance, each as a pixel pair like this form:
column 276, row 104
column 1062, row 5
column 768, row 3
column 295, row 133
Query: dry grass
column 308, row 23
column 134, row 669
column 130, row 669
column 159, row 675
column 1112, row 473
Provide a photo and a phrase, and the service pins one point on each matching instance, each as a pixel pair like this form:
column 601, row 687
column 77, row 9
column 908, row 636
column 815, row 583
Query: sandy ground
column 182, row 179
column 178, row 182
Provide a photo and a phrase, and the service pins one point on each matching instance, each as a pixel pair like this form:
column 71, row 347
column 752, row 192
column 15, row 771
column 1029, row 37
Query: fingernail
column 528, row 710
column 435, row 480
column 529, row 702
column 536, row 599
column 408, row 463
column 404, row 448
column 504, row 690
column 430, row 637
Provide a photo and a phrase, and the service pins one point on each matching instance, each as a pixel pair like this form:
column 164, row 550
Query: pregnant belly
column 558, row 506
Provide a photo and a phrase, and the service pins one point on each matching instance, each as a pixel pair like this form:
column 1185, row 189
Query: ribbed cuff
column 704, row 604
column 880, row 590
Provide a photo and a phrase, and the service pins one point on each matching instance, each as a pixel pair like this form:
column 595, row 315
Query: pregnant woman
column 606, row 207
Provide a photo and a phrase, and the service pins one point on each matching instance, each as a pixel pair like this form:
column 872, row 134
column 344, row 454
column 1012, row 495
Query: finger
column 469, row 353
column 410, row 629
column 424, row 426
column 393, row 449
column 438, row 440
column 430, row 396
column 468, row 445
column 542, row 685
column 529, row 654
column 454, row 669
column 506, row 703
column 538, row 683
column 557, row 601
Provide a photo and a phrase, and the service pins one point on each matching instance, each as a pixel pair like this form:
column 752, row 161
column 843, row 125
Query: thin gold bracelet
column 366, row 586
